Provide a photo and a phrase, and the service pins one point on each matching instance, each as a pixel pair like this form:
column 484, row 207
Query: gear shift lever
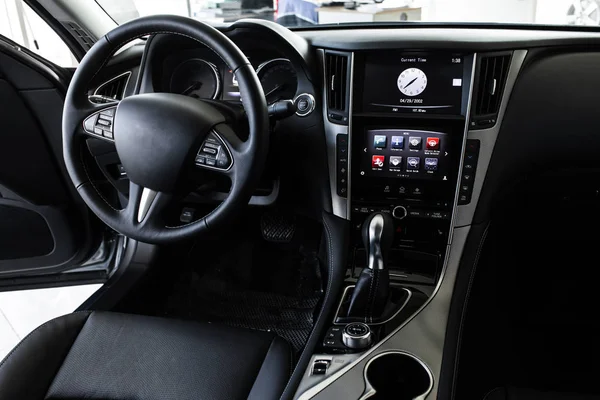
column 371, row 293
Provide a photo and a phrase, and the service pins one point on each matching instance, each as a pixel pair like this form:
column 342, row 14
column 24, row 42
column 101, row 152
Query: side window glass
column 24, row 26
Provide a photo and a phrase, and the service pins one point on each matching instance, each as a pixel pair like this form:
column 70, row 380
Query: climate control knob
column 399, row 212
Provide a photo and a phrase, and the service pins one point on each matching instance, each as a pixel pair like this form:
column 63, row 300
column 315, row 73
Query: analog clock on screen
column 412, row 81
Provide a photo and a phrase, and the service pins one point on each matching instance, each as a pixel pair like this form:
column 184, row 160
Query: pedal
column 277, row 227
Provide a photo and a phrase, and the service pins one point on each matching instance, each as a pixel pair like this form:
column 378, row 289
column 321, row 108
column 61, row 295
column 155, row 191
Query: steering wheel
column 160, row 137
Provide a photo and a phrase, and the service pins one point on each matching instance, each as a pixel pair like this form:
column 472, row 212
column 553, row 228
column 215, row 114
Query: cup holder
column 398, row 376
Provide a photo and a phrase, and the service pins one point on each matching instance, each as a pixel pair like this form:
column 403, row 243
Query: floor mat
column 250, row 283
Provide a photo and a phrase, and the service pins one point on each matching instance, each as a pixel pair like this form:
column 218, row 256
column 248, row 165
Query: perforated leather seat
column 108, row 356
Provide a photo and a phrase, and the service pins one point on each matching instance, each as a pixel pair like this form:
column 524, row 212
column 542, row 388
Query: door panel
column 45, row 227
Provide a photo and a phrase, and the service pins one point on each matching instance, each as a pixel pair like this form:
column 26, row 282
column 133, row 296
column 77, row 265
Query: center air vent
column 491, row 79
column 112, row 90
column 337, row 82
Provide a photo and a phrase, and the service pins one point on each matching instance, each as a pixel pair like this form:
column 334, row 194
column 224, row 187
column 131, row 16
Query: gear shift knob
column 378, row 235
column 371, row 292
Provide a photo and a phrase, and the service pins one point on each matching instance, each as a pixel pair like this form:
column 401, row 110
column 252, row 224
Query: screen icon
column 415, row 142
column 377, row 161
column 395, row 162
column 433, row 143
column 380, row 141
column 431, row 164
column 413, row 162
column 398, row 142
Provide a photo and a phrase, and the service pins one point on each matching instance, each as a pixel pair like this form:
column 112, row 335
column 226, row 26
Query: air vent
column 112, row 90
column 80, row 34
column 336, row 81
column 493, row 70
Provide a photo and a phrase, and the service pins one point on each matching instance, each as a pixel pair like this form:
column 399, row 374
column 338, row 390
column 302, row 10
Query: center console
column 396, row 122
column 406, row 145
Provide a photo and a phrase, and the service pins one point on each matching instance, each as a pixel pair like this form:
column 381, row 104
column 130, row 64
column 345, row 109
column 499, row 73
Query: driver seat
column 112, row 356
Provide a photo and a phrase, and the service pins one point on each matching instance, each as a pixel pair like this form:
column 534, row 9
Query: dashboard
column 428, row 123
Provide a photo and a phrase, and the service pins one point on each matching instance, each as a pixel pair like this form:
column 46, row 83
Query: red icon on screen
column 377, row 161
column 433, row 143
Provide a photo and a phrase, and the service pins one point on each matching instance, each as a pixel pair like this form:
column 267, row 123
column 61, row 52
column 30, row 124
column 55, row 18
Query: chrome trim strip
column 264, row 64
column 314, row 390
column 337, row 311
column 370, row 391
column 148, row 196
column 313, row 104
column 487, row 138
column 340, row 205
column 350, row 111
column 462, row 155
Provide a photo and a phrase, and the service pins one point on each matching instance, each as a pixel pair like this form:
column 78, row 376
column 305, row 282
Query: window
column 22, row 25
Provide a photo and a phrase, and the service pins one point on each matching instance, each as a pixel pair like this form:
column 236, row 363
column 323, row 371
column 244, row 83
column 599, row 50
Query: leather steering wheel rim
column 249, row 156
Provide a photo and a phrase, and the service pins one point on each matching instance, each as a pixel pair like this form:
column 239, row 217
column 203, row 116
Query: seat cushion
column 507, row 393
column 106, row 356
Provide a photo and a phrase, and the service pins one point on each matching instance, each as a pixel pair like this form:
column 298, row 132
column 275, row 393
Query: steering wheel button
column 211, row 161
column 103, row 122
column 98, row 131
column 200, row 160
column 108, row 134
column 209, row 150
column 223, row 163
column 109, row 112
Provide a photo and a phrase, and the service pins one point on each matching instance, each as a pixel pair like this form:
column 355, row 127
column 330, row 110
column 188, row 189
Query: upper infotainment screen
column 413, row 83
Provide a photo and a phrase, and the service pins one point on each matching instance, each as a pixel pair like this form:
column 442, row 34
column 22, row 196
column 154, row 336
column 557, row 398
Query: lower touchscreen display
column 405, row 153
column 413, row 83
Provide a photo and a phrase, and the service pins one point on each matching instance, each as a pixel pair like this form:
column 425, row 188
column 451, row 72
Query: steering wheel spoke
column 146, row 206
column 221, row 151
column 98, row 121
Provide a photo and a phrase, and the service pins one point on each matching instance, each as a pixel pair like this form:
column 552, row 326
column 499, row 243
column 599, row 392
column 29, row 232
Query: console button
column 395, row 162
column 320, row 367
column 415, row 142
column 413, row 163
column 397, row 142
column 377, row 161
column 380, row 141
column 357, row 335
column 399, row 212
column 464, row 199
column 416, row 191
column 433, row 143
column 416, row 213
column 431, row 164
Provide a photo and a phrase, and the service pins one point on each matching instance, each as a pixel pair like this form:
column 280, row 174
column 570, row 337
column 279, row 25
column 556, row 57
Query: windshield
column 294, row 13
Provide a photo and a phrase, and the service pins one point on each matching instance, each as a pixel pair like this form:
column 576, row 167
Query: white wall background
column 518, row 11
